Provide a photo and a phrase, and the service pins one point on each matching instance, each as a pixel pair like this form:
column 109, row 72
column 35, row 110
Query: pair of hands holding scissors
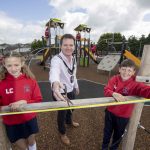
column 57, row 86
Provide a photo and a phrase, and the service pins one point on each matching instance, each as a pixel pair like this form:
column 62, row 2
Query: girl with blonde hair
column 17, row 87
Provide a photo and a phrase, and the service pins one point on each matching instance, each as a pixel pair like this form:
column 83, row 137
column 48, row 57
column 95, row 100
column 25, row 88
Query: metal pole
column 139, row 49
column 112, row 42
column 122, row 51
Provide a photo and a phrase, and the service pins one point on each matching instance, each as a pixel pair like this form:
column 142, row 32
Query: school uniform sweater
column 15, row 89
column 127, row 88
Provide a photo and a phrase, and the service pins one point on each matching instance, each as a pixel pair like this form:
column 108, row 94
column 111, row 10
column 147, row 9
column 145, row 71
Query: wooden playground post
column 84, row 47
column 4, row 142
column 129, row 138
column 76, row 50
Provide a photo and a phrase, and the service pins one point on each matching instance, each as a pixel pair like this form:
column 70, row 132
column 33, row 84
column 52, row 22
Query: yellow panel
column 39, row 57
column 46, row 52
column 91, row 54
column 83, row 39
column 132, row 57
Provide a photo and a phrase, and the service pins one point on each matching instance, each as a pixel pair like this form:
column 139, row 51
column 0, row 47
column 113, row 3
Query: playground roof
column 54, row 22
column 82, row 27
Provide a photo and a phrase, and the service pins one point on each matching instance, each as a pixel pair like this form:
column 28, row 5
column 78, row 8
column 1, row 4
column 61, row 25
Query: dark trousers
column 64, row 116
column 116, row 126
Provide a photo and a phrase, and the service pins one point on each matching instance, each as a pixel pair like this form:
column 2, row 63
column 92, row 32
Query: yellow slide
column 46, row 52
column 91, row 55
column 132, row 57
column 40, row 57
column 45, row 56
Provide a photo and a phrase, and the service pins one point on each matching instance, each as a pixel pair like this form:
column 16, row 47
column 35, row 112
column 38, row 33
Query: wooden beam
column 129, row 138
column 78, row 103
column 144, row 79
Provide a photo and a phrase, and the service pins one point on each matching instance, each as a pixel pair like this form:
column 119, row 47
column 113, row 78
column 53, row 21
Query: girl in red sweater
column 17, row 87
column 117, row 117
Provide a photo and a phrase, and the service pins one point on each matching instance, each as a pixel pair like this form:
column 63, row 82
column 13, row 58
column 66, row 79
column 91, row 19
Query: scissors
column 66, row 97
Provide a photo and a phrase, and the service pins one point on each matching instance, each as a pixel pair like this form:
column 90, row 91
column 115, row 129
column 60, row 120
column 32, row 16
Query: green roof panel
column 54, row 22
column 82, row 27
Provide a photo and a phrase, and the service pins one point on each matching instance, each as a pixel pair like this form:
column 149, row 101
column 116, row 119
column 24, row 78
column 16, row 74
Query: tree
column 147, row 40
column 134, row 45
column 105, row 42
column 142, row 41
column 38, row 44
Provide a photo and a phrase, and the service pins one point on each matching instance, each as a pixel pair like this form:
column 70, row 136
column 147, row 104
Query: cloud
column 130, row 17
column 103, row 16
column 146, row 17
column 14, row 31
column 143, row 3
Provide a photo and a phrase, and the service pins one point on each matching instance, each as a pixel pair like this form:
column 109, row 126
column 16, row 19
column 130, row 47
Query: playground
column 93, row 73
column 86, row 52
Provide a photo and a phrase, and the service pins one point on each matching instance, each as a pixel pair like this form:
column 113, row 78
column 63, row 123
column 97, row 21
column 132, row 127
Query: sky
column 22, row 21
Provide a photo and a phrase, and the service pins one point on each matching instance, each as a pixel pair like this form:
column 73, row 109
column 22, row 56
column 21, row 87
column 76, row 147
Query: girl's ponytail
column 26, row 70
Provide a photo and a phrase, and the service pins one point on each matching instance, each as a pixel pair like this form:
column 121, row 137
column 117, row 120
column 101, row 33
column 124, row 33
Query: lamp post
column 140, row 49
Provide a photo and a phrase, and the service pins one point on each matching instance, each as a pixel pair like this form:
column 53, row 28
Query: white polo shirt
column 59, row 72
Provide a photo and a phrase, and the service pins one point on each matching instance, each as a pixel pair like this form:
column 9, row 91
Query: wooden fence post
column 129, row 138
column 4, row 142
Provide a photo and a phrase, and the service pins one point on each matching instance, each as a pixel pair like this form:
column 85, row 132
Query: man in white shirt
column 63, row 71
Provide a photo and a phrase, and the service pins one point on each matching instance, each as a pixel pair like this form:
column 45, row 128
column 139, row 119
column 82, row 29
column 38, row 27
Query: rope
column 117, row 140
column 139, row 126
column 142, row 127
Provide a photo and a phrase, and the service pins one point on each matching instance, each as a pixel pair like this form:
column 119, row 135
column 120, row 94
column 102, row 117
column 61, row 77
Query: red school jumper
column 15, row 89
column 127, row 88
